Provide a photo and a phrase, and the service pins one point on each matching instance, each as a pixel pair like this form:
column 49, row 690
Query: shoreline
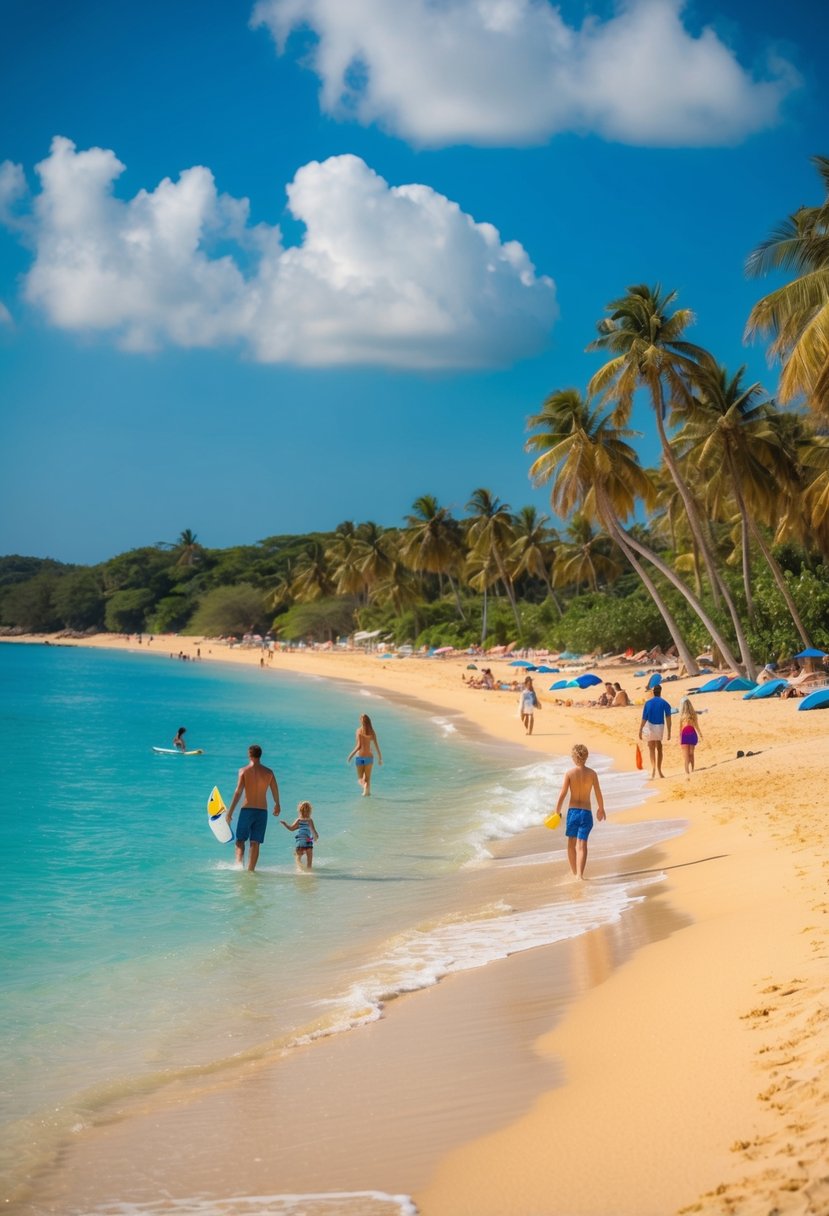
column 746, row 925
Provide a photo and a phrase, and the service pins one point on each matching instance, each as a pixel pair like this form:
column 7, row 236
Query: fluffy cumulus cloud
column 396, row 276
column 514, row 72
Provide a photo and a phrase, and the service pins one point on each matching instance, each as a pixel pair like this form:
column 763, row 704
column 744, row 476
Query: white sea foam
column 420, row 958
column 507, row 809
column 447, row 727
column 323, row 1203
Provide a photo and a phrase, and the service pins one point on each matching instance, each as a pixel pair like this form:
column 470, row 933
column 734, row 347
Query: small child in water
column 306, row 834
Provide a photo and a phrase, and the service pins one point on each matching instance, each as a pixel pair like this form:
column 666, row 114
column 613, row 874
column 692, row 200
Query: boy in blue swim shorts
column 580, row 783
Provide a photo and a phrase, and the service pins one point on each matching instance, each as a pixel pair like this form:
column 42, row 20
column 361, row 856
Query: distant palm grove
column 724, row 544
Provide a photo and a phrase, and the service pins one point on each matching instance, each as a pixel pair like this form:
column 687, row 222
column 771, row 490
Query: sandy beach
column 679, row 1065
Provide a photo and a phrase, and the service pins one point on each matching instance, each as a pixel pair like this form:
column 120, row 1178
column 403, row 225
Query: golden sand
column 690, row 1078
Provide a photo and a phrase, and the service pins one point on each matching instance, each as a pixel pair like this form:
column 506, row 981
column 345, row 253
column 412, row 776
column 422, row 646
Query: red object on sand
column 638, row 756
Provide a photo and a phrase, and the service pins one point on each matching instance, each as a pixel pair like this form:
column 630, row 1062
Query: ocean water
column 135, row 953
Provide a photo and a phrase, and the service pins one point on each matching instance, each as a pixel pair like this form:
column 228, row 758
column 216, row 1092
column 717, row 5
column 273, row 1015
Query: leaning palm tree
column 490, row 533
column 740, row 457
column 648, row 349
column 593, row 469
column 433, row 543
column 797, row 314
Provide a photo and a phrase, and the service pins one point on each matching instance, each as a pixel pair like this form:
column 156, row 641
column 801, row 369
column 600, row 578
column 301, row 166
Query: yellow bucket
column 552, row 821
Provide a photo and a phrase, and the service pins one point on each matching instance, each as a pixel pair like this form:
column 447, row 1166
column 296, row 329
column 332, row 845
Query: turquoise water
column 133, row 950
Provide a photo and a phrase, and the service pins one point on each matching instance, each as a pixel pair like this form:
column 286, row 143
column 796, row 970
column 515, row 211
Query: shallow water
column 134, row 952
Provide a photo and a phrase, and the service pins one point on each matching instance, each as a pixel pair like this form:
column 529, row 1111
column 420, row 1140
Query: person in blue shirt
column 656, row 714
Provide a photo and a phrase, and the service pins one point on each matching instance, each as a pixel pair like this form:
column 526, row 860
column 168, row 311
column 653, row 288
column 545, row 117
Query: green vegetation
column 726, row 543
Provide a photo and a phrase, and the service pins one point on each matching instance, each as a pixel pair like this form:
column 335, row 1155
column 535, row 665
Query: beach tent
column 559, row 684
column 740, row 684
column 816, row 700
column 771, row 688
column 715, row 685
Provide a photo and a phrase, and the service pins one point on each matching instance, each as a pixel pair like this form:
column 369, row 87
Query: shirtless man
column 254, row 782
column 580, row 782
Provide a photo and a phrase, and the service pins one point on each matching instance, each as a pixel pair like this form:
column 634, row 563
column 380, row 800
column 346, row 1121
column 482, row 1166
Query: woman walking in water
column 361, row 753
column 690, row 733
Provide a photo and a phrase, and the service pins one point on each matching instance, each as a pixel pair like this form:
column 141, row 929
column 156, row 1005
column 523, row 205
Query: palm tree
column 593, row 469
column 740, row 456
column 582, row 557
column 433, row 542
column 186, row 547
column 345, row 555
column 533, row 550
column 376, row 557
column 481, row 574
column 311, row 577
column 797, row 314
column 490, row 533
column 648, row 350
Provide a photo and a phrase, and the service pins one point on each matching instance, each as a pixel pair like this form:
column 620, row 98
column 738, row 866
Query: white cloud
column 395, row 276
column 501, row 72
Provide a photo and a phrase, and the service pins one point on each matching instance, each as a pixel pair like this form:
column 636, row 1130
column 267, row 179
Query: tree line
column 725, row 543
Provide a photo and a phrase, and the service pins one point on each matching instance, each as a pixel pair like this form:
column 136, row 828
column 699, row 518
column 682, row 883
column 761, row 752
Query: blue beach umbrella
column 559, row 684
column 588, row 680
column 811, row 653
column 523, row 663
column 546, row 671
column 654, row 680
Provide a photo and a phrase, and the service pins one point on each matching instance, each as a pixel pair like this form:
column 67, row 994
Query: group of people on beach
column 580, row 784
column 656, row 725
column 256, row 781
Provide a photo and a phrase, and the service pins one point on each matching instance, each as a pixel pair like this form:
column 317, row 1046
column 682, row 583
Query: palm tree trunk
column 718, row 586
column 620, row 537
column 780, row 580
column 744, row 537
column 457, row 596
column 483, row 622
column 552, row 594
column 505, row 579
column 672, row 577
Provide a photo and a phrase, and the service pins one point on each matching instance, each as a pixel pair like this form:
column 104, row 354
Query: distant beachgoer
column 306, row 834
column 254, row 782
column 690, row 733
column 656, row 713
column 527, row 705
column 620, row 696
column 580, row 783
column 365, row 739
column 179, row 742
column 607, row 696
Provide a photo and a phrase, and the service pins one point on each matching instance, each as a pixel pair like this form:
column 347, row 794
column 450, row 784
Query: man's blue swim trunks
column 579, row 823
column 251, row 825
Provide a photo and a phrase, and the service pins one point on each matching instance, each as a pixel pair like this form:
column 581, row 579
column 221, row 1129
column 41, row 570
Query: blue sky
column 441, row 197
